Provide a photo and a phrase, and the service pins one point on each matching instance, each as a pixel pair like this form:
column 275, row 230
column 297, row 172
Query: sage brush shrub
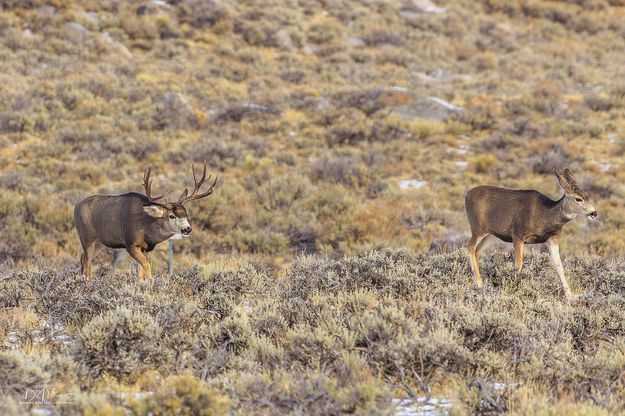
column 335, row 335
column 19, row 373
column 183, row 395
column 121, row 343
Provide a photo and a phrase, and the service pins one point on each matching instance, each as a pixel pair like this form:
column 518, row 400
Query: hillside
column 335, row 127
column 324, row 275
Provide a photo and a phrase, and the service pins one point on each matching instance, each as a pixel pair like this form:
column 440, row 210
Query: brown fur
column 523, row 217
column 132, row 221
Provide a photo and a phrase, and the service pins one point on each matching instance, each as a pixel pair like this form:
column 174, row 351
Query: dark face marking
column 178, row 210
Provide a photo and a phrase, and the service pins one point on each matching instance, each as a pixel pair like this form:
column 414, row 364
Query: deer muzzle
column 592, row 215
column 186, row 231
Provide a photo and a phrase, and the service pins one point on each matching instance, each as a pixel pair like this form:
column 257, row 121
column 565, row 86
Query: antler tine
column 197, row 185
column 147, row 184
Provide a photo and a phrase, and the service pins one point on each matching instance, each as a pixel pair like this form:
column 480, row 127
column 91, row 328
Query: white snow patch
column 139, row 395
column 412, row 183
column 445, row 104
column 422, row 406
column 462, row 164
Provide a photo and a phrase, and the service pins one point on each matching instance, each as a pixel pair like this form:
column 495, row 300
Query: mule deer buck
column 134, row 221
column 524, row 217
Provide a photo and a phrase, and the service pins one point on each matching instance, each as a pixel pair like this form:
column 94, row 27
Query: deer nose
column 186, row 231
column 592, row 215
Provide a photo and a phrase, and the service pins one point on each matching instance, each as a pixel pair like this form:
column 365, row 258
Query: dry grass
column 315, row 122
column 328, row 337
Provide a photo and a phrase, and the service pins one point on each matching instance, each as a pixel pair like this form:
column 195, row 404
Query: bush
column 64, row 297
column 310, row 393
column 184, row 396
column 19, row 374
column 121, row 343
column 342, row 169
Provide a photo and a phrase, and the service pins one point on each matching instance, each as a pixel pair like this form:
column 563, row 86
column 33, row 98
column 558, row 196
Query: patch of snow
column 160, row 3
column 612, row 137
column 412, row 183
column 464, row 148
column 445, row 104
column 421, row 407
column 421, row 6
column 138, row 395
column 462, row 164
column 605, row 167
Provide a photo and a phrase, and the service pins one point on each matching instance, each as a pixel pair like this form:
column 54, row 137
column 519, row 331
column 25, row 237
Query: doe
column 134, row 221
column 524, row 217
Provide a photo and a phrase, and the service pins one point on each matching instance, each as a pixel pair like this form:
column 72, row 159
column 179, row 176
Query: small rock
column 76, row 32
column 238, row 112
column 283, row 40
column 77, row 27
column 173, row 110
column 432, row 108
column 116, row 46
column 355, row 42
column 46, row 9
column 371, row 101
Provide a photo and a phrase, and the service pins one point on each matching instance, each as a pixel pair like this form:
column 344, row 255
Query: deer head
column 172, row 217
column 576, row 201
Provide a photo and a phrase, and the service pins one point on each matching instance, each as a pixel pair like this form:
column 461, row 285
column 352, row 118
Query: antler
column 147, row 184
column 185, row 197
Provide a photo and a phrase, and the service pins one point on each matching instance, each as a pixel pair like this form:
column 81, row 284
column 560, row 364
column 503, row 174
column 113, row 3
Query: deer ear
column 568, row 175
column 564, row 185
column 154, row 211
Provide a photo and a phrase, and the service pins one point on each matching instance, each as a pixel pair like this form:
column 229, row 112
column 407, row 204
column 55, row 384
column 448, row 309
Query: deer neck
column 157, row 235
column 559, row 214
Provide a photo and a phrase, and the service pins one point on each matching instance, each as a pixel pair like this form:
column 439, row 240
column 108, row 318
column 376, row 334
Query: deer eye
column 578, row 199
column 172, row 216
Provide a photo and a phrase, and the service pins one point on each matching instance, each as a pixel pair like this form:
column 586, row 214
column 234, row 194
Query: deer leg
column 85, row 259
column 518, row 254
column 137, row 253
column 554, row 250
column 472, row 248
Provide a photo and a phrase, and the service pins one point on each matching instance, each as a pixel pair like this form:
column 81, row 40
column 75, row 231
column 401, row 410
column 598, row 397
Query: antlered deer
column 524, row 217
column 134, row 221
